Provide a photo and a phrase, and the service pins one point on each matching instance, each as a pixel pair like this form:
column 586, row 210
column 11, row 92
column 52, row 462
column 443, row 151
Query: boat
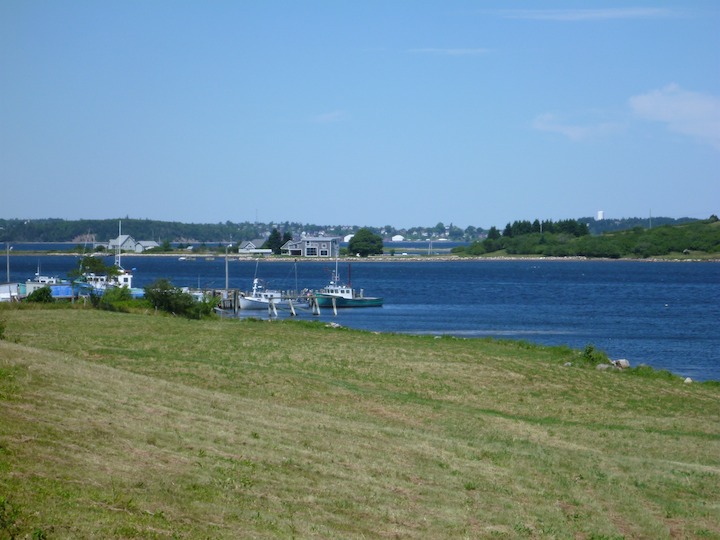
column 40, row 281
column 100, row 282
column 92, row 283
column 60, row 288
column 338, row 295
column 261, row 298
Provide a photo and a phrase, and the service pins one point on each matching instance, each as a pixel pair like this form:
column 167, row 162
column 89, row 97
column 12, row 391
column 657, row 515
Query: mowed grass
column 143, row 426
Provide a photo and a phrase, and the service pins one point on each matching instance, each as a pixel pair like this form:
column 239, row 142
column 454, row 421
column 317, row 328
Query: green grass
column 140, row 426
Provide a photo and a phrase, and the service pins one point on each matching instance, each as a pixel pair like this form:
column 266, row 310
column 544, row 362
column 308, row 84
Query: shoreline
column 378, row 258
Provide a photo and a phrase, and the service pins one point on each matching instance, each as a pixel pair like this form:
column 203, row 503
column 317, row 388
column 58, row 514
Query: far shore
column 442, row 257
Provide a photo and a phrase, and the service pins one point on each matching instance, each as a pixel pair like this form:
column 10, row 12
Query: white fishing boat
column 40, row 281
column 261, row 298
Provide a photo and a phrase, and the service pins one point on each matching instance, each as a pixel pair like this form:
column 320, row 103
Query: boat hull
column 340, row 302
column 260, row 303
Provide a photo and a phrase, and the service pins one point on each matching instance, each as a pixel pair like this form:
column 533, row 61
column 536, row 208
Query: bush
column 164, row 296
column 593, row 356
column 42, row 296
column 114, row 299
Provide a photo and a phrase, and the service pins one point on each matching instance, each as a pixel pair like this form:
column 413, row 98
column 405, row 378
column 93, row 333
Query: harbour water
column 664, row 314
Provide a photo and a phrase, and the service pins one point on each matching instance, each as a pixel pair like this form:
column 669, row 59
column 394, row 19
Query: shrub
column 42, row 295
column 164, row 296
column 594, row 356
column 114, row 299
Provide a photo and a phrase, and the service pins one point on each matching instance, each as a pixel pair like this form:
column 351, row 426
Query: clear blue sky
column 402, row 113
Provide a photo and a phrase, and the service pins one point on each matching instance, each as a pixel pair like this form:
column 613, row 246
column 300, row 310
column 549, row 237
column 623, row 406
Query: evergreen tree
column 274, row 242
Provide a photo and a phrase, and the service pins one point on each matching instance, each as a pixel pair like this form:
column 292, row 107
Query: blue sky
column 402, row 113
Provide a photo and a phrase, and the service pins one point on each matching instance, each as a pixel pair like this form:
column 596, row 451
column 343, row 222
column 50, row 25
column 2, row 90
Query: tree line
column 563, row 239
column 89, row 231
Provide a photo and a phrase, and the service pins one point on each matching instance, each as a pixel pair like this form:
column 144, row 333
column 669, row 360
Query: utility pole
column 7, row 255
column 226, row 266
column 7, row 259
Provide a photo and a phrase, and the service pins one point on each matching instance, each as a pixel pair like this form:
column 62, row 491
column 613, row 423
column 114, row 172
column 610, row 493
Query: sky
column 401, row 113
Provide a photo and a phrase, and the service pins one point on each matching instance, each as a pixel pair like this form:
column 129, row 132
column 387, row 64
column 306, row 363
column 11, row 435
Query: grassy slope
column 137, row 426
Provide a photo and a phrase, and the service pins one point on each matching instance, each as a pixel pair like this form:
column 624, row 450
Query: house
column 124, row 242
column 128, row 243
column 144, row 245
column 253, row 247
column 313, row 246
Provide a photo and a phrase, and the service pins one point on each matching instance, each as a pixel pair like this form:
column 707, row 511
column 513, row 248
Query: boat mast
column 117, row 247
column 336, row 277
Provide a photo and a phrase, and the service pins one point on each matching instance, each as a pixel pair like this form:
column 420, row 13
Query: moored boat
column 337, row 294
column 261, row 298
column 95, row 283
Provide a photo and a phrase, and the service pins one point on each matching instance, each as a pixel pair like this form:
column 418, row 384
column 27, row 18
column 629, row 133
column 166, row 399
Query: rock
column 603, row 367
column 688, row 380
column 622, row 363
column 567, row 364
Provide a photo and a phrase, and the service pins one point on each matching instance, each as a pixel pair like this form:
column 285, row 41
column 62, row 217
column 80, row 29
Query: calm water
column 662, row 314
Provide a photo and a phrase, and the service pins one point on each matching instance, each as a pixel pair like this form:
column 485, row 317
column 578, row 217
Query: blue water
column 664, row 314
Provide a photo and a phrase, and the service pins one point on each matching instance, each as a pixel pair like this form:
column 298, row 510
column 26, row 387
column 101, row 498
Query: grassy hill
column 140, row 426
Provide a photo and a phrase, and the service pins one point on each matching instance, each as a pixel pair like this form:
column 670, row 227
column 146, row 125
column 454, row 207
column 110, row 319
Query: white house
column 313, row 246
column 128, row 243
column 253, row 247
column 144, row 245
column 124, row 242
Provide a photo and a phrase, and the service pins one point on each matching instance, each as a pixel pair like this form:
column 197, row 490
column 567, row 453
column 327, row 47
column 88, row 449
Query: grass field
column 143, row 426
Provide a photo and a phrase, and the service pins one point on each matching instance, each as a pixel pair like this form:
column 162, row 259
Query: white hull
column 261, row 298
column 248, row 302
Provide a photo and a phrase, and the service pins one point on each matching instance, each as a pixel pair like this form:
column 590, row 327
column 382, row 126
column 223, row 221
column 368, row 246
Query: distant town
column 153, row 233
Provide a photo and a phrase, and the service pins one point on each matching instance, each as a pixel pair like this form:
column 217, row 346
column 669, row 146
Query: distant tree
column 521, row 227
column 455, row 233
column 274, row 242
column 493, row 233
column 287, row 237
column 365, row 242
column 489, row 244
column 94, row 265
